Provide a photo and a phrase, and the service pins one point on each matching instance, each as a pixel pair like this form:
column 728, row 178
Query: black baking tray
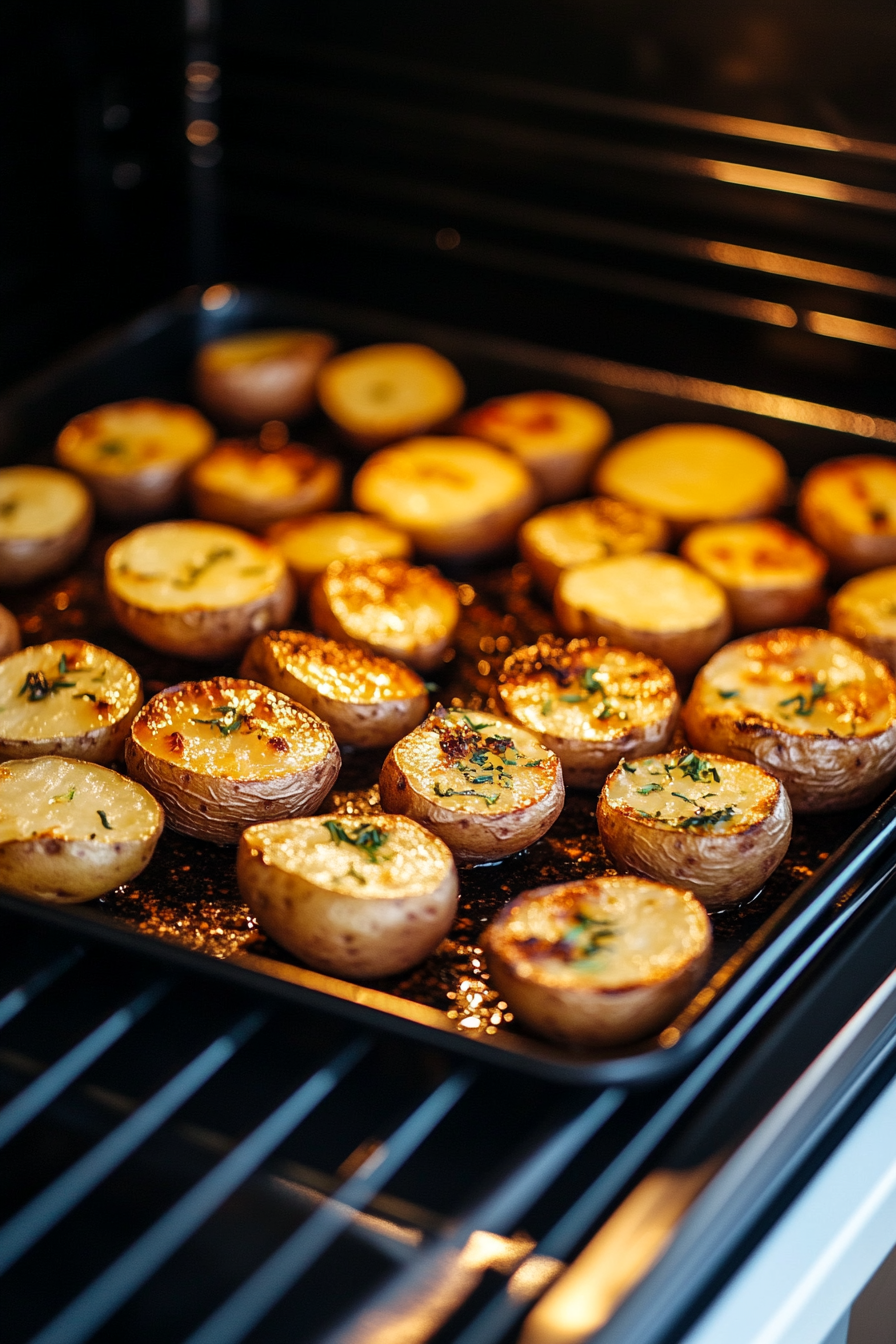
column 187, row 902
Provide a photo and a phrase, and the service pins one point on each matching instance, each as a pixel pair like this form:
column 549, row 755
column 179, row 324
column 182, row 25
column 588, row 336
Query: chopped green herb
column 464, row 793
column 64, row 797
column 195, row 572
column 547, row 705
column 805, row 704
column 475, row 726
column 587, row 937
column 684, row 798
column 367, row 838
column 107, row 825
column 572, row 699
column 228, row 719
column 112, row 448
column 728, row 695
column 630, row 769
column 431, row 686
column 591, row 681
column 63, row 665
column 698, row 770
column 352, row 872
column 530, row 764
column 707, row 818
column 651, row 788
column 85, row 695
column 37, row 687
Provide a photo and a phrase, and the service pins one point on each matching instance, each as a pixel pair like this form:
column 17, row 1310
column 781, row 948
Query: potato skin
column 102, row 746
column 319, row 490
column 719, row 869
column 846, row 620
column 27, row 559
column 279, row 387
column 10, row 638
column 850, row 552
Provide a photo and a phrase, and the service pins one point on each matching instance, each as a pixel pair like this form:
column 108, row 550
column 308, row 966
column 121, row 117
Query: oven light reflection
column 848, row 329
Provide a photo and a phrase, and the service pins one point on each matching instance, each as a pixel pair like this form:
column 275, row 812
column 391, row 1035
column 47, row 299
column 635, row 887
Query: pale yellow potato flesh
column 255, row 376
column 848, row 507
column 368, row 700
column 864, row 611
column 587, row 530
column 66, row 698
column 347, row 908
column 309, row 544
column 695, row 473
column 655, row 604
column 196, row 588
column 384, row 392
column 718, row 827
column 600, row 962
column 227, row 753
column 590, row 704
column 72, row 830
column 245, row 485
column 806, row 705
column 559, row 437
column 10, row 636
column 771, row 574
column 45, row 521
column 388, row 607
column 454, row 497
column 485, row 785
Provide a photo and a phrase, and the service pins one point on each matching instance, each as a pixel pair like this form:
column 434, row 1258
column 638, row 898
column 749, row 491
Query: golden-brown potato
column 807, row 706
column 255, row 376
column 309, row 544
column 45, row 521
column 589, row 704
column 71, row 830
column 483, row 784
column 864, row 611
column 716, row 826
column 389, row 607
column 134, row 455
column 248, row 485
column 695, row 474
column 772, row 575
column 385, row 392
column 359, row 898
column 587, row 530
column 848, row 506
column 559, row 437
column 599, row 962
column 223, row 754
column 368, row 701
column 656, row 604
column 198, row 589
column 66, row 698
column 455, row 498
column 10, row 638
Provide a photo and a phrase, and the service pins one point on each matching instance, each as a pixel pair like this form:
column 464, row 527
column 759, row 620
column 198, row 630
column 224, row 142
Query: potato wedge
column 253, row 376
column 45, row 521
column 848, row 507
column 600, row 962
column 367, row 700
column 456, row 498
column 864, row 611
column 354, row 897
column 385, row 392
column 224, row 754
column 134, row 455
column 309, row 544
column 71, row 830
column 693, row 474
column 198, row 589
column 771, row 574
column 10, row 636
column 483, row 784
column 67, row 698
column 716, row 826
column 806, row 705
column 559, row 437
column 388, row 607
column 587, row 530
column 589, row 704
column 655, row 604
column 244, row 484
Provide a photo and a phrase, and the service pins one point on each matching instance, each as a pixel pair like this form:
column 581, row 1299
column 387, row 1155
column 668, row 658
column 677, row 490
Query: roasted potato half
column 655, row 604
column 66, row 698
column 693, row 474
column 198, row 589
column 716, row 826
column 454, row 497
column 772, row 575
column 243, row 483
column 224, row 754
column 71, row 830
column 368, row 700
column 255, row 376
column 354, row 897
column 864, row 611
column 45, row 521
column 806, row 705
column 309, row 544
column 389, row 607
column 10, row 637
column 134, row 455
column 589, row 704
column 600, row 962
column 381, row 393
column 848, row 507
column 483, row 784
column 585, row 531
column 559, row 437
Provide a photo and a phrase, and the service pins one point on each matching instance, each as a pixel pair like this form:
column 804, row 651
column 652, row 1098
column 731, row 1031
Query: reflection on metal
column 848, row 329
column 795, row 184
column 218, row 296
column 796, row 268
